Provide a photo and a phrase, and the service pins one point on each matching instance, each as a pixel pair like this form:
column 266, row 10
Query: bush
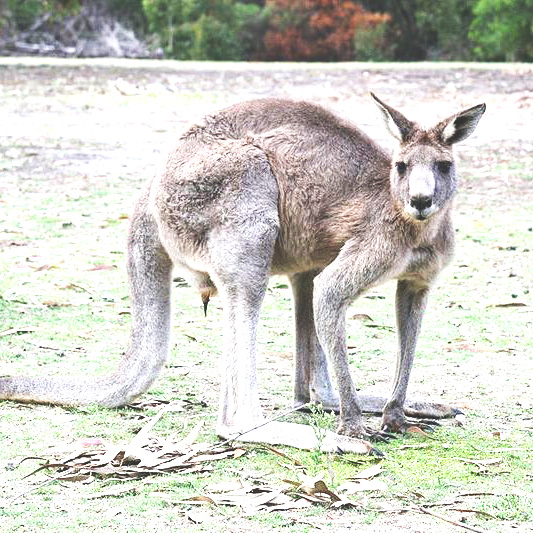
column 444, row 28
column 503, row 30
column 22, row 14
column 216, row 40
column 371, row 43
column 316, row 30
column 252, row 24
column 206, row 29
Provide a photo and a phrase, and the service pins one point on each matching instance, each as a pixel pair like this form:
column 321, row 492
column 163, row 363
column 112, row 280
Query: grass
column 63, row 199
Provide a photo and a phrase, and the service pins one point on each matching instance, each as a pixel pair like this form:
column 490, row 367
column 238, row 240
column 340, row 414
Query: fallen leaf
column 144, row 455
column 44, row 267
column 201, row 499
column 238, row 452
column 313, row 486
column 482, row 463
column 17, row 331
column 300, row 503
column 101, row 267
column 345, row 503
column 369, row 473
column 362, row 317
column 379, row 326
column 415, row 430
column 115, row 492
column 212, row 457
column 284, row 455
column 74, row 477
column 52, row 303
column 189, row 440
column 510, row 304
column 147, row 402
column 477, row 511
column 362, row 485
column 197, row 517
column 225, row 486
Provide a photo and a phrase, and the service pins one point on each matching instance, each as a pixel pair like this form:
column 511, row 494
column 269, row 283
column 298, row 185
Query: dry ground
column 72, row 130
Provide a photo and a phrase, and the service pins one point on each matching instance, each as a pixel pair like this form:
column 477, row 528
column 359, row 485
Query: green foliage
column 252, row 24
column 22, row 14
column 371, row 43
column 487, row 30
column 321, row 422
column 205, row 29
column 503, row 30
column 215, row 39
column 425, row 29
column 444, row 28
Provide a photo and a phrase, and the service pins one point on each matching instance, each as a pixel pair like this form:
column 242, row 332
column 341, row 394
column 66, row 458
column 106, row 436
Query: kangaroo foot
column 374, row 405
column 428, row 422
column 299, row 436
column 394, row 421
column 410, row 427
column 357, row 430
column 416, row 409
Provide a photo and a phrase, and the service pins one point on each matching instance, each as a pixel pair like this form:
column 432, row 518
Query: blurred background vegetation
column 306, row 30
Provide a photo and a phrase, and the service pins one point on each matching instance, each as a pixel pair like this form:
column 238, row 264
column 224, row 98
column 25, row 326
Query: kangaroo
column 282, row 187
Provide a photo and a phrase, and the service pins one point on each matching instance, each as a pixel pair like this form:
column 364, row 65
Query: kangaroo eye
column 401, row 167
column 444, row 166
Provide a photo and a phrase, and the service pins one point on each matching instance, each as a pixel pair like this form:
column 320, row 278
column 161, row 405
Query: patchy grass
column 77, row 149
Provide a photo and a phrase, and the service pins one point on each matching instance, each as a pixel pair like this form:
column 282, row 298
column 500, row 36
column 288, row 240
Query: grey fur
column 281, row 187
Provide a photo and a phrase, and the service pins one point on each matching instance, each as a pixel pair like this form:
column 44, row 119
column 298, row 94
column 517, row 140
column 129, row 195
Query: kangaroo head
column 423, row 176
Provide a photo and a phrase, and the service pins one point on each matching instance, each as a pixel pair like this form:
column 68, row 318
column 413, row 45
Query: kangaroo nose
column 421, row 202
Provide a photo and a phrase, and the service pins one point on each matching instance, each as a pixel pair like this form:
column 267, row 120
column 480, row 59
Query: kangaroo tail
column 149, row 269
column 416, row 409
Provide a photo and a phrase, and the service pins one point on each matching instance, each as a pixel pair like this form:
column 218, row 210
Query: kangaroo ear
column 398, row 126
column 460, row 126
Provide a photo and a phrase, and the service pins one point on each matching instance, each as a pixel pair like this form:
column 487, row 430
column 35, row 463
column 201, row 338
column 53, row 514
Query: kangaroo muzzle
column 420, row 203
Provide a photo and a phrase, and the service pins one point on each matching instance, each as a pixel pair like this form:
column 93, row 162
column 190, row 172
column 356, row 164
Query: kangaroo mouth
column 419, row 215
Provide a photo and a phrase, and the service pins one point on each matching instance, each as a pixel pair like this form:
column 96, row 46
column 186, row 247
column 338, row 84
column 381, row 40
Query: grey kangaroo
column 281, row 187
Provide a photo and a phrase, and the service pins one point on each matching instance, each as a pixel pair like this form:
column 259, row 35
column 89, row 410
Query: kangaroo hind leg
column 311, row 374
column 241, row 257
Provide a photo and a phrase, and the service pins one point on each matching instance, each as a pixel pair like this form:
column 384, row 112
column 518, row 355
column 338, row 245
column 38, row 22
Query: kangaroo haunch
column 281, row 187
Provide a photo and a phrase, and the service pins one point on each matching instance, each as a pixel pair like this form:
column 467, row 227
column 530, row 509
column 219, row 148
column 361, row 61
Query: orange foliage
column 316, row 30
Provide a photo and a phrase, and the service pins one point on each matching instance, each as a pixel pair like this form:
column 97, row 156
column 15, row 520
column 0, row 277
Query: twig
column 17, row 331
column 90, row 292
column 281, row 415
column 48, row 481
column 449, row 520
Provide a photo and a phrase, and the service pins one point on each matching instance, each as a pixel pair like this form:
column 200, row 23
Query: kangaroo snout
column 421, row 203
column 421, row 207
